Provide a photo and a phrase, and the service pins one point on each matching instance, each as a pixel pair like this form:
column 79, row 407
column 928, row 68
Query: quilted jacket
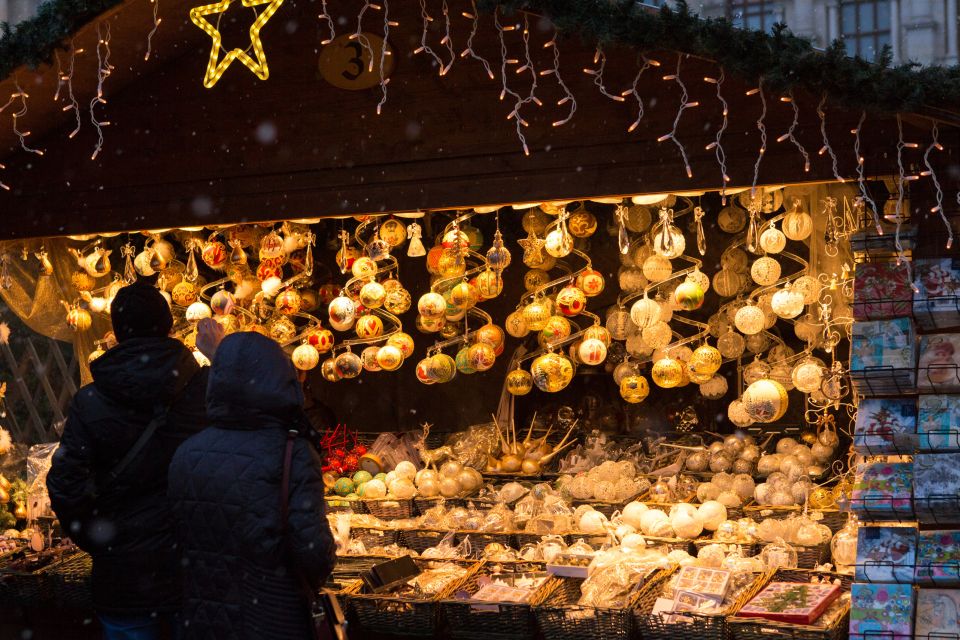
column 239, row 578
column 125, row 524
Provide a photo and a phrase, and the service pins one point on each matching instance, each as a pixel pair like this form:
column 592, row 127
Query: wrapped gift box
column 938, row 558
column 881, row 611
column 886, row 554
column 883, row 490
column 938, row 423
column 882, row 290
column 885, row 425
column 936, row 302
column 936, row 478
column 794, row 602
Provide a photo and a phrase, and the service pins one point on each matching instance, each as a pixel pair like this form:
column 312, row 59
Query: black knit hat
column 139, row 311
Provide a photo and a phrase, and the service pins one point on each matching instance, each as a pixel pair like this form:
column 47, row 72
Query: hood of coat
column 253, row 384
column 143, row 370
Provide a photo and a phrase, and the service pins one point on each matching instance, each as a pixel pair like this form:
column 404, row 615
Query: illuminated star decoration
column 532, row 248
column 215, row 69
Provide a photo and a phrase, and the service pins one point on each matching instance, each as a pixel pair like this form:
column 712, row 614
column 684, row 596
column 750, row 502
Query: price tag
column 353, row 63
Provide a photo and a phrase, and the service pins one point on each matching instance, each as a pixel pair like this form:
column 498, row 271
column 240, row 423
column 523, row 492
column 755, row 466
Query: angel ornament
column 415, row 248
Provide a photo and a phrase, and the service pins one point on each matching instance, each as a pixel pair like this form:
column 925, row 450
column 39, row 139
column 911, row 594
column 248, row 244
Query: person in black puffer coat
column 242, row 565
column 125, row 523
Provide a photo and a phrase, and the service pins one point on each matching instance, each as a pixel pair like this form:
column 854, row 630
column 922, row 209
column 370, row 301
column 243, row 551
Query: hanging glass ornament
column 591, row 282
column 557, row 328
column 667, row 373
column 645, row 312
column 535, row 221
column 634, row 388
column 631, row 279
column 657, row 335
column 657, row 268
column 797, row 224
column 519, row 382
column 372, row 295
column 731, row 219
column 718, row 324
column 737, row 413
column 368, row 357
column 238, row 256
column 348, row 365
column 415, row 249
column 481, row 356
column 731, row 344
column 807, row 286
column 369, row 326
column 592, row 352
column 342, row 311
column 749, row 319
column 364, row 268
column 765, row 302
column 624, row 369
column 756, row 370
column 515, row 325
column 714, row 388
column 551, row 372
column 582, row 223
column 727, row 283
column 668, row 240
column 623, row 238
column 734, row 258
column 639, row 253
column 536, row 314
column 705, row 360
column 637, row 218
column 288, row 302
column 787, row 303
column 535, row 279
column 378, row 249
column 432, row 305
column 463, row 295
column 128, row 251
column 571, row 301
column 807, row 375
column 772, row 240
column 765, row 401
column 397, row 301
column 808, row 328
column 765, row 271
column 618, row 323
column 498, row 256
column 757, row 343
column 688, row 296
column 532, row 247
column 393, row 232
column 596, row 332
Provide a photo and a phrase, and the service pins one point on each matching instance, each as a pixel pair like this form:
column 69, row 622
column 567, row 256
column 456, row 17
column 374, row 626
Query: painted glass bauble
column 79, row 319
column 231, row 324
column 619, row 323
column 397, row 301
column 346, row 258
column 807, row 328
column 451, row 264
column 320, row 339
column 787, row 303
column 624, row 369
column 432, row 305
column 288, row 302
column 756, row 370
column 198, row 311
column 185, row 293
column 369, row 358
column 731, row 345
column 558, row 243
column 582, row 223
column 474, row 237
column 765, row 400
column 592, row 352
column 738, row 415
column 634, row 388
column 519, row 382
column 372, row 295
column 348, row 365
column 489, row 284
column 422, row 371
column 271, row 246
column 772, row 240
column 389, row 357
column 797, row 225
column 765, row 271
column 734, row 258
column 669, row 243
column 657, row 268
column 369, row 326
column 645, row 312
column 433, row 260
column 551, row 372
column 631, row 279
column 597, row 332
column 535, row 221
column 442, row 368
column 342, row 310
column 328, row 292
column 515, row 325
column 491, row 334
column 536, row 314
column 535, row 278
column 455, row 238
column 214, row 254
column 305, row 357
column 667, row 373
column 637, row 218
column 749, row 319
column 403, row 342
column 377, row 249
column 705, row 360
column 807, row 375
column 498, row 257
column 757, row 343
column 364, row 268
column 732, row 219
column 328, row 369
column 393, row 232
column 481, row 356
column 688, row 296
column 807, row 286
column 463, row 295
column 571, row 301
column 657, row 335
column 541, row 260
column 591, row 282
column 727, row 283
column 463, row 361
column 557, row 328
column 714, row 388
column 701, row 279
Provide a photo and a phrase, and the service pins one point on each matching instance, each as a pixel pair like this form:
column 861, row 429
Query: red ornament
column 360, row 450
column 351, row 462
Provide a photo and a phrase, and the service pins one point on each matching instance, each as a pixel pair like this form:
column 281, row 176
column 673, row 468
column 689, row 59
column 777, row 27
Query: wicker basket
column 374, row 537
column 28, row 587
column 424, row 504
column 396, row 615
column 480, row 539
column 670, row 544
column 342, row 505
column 810, row 557
column 747, row 550
column 390, row 509
column 833, row 518
column 462, row 619
column 699, row 626
column 420, row 540
column 71, row 583
column 756, row 629
column 561, row 618
column 524, row 537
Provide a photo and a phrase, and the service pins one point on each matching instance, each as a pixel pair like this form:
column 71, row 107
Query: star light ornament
column 532, row 248
column 257, row 64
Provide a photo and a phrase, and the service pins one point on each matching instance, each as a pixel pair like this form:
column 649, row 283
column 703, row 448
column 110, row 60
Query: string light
column 3, row 185
column 469, row 51
column 601, row 57
column 555, row 71
column 425, row 48
column 684, row 105
column 935, row 144
column 826, row 148
column 156, row 25
column 634, row 91
column 325, row 15
column 717, row 144
column 861, row 181
column 506, row 90
column 19, row 114
column 762, row 128
column 901, row 145
column 66, row 80
column 789, row 135
column 383, row 55
column 216, row 69
column 104, row 68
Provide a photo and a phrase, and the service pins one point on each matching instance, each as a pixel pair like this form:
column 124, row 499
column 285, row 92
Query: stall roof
column 178, row 154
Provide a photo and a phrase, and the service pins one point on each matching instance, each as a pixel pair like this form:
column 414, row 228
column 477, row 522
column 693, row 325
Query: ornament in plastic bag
column 843, row 547
column 779, row 555
column 661, row 492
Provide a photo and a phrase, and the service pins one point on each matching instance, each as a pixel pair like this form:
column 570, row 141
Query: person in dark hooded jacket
column 125, row 522
column 243, row 565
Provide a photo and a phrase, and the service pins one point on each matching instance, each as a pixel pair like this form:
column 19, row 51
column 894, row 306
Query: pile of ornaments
column 607, row 482
column 730, row 490
column 686, row 521
column 735, row 454
column 452, row 480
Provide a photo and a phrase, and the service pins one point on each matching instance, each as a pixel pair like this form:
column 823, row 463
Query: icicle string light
column 555, row 71
column 717, row 145
column 789, row 135
column 826, row 148
column 528, row 64
column 22, row 95
column 938, row 208
column 359, row 36
column 326, row 17
column 519, row 122
column 470, row 51
column 762, row 128
column 901, row 186
column 13, row 97
column 601, row 57
column 153, row 32
column 684, row 105
column 65, row 79
column 104, row 68
column 425, row 48
column 635, row 91
column 861, row 181
column 383, row 56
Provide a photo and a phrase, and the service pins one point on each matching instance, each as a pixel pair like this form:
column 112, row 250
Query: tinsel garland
column 784, row 60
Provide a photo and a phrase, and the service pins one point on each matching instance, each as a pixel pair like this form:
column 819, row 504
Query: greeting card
column 882, row 423
column 938, row 614
column 796, row 602
column 936, row 478
column 881, row 611
column 938, row 423
column 883, row 343
column 711, row 583
column 886, row 554
column 939, row 367
column 883, row 489
column 938, row 558
column 882, row 290
column 937, row 299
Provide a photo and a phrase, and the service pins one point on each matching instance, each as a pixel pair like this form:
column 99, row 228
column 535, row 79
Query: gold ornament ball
column 535, row 221
column 732, row 219
column 369, row 358
column 305, row 357
column 634, row 388
column 342, row 311
column 543, row 261
column 705, row 359
column 515, row 325
column 281, row 329
column 657, row 336
column 797, row 225
column 329, row 370
column 489, row 284
column 320, row 339
column 442, row 368
column 699, row 278
column 364, row 268
column 807, row 375
column 403, row 342
column 592, row 352
column 536, row 314
column 397, row 301
column 807, row 286
column 727, row 283
column 765, row 400
column 557, row 328
column 558, row 243
column 464, row 295
column 645, row 312
column 433, row 260
column 765, row 271
column 597, row 332
column 772, row 240
column 389, row 357
column 734, row 258
column 348, row 365
column 749, row 320
column 637, row 218
column 582, row 224
column 451, row 264
column 79, row 319
column 667, row 373
column 288, row 302
column 393, row 232
column 519, row 382
column 669, row 244
column 455, row 238
column 571, row 301
column 369, row 326
column 184, row 294
column 822, row 498
column 535, row 278
column 491, row 334
column 82, row 281
column 591, row 282
column 432, row 305
column 787, row 303
column 551, row 372
column 481, row 356
column 372, row 295
column 657, row 268
column 688, row 296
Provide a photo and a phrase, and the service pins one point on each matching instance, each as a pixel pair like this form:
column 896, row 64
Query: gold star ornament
column 257, row 64
column 532, row 248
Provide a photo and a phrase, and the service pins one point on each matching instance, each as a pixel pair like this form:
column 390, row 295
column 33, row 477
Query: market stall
column 633, row 350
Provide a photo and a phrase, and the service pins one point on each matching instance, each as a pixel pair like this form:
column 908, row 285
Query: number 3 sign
column 346, row 62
